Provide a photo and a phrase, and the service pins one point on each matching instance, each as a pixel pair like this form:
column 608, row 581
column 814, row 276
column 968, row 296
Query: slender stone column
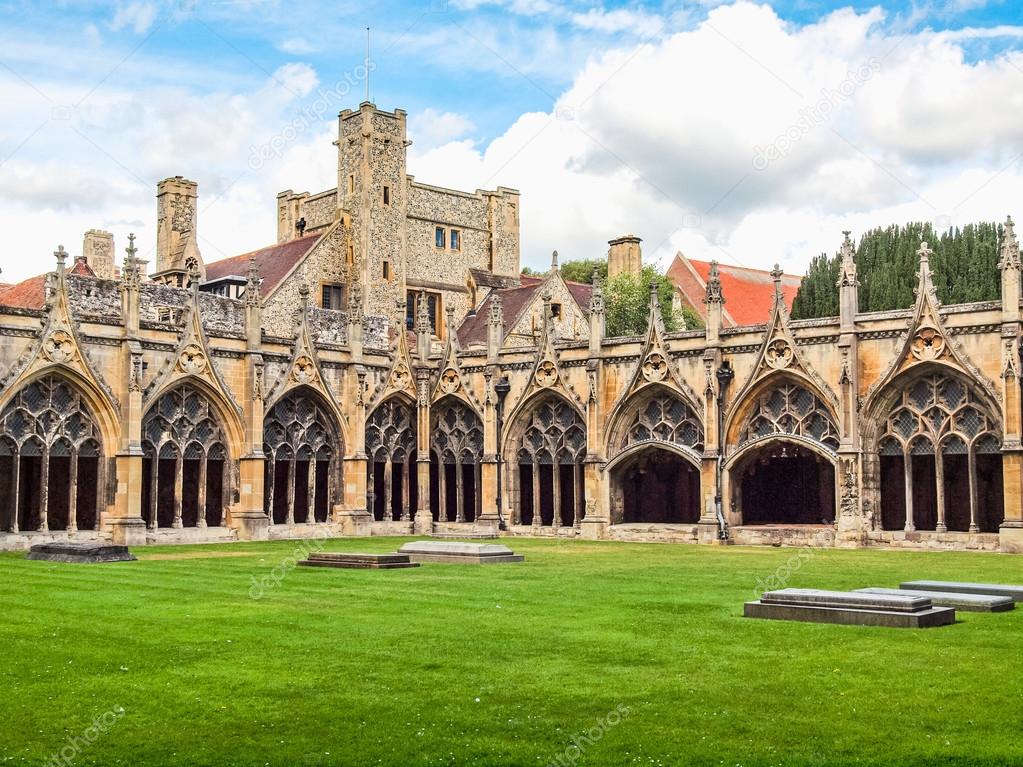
column 406, row 491
column 442, row 495
column 200, row 520
column 179, row 487
column 388, row 491
column 44, row 491
column 16, row 490
column 939, row 489
column 578, row 495
column 971, row 458
column 371, row 488
column 272, row 463
column 537, row 518
column 72, row 509
column 459, row 491
column 907, row 473
column 154, row 491
column 310, row 515
column 478, row 492
column 556, row 492
column 292, row 467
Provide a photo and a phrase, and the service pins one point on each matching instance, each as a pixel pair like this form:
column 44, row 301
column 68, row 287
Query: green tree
column 627, row 300
column 582, row 269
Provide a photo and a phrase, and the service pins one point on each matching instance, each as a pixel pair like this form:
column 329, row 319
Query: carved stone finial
column 924, row 252
column 61, row 256
column 847, row 275
column 554, row 261
column 496, row 316
column 131, row 250
column 596, row 294
column 713, row 294
column 423, row 324
column 776, row 275
column 303, row 293
column 1009, row 255
column 252, row 297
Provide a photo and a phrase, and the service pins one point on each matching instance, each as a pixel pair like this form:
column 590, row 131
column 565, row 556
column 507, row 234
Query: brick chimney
column 624, row 256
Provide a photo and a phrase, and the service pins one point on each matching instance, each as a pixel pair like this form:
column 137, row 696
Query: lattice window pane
column 953, row 446
column 922, row 446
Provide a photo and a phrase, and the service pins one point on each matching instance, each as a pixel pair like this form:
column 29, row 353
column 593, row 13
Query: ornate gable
column 547, row 373
column 192, row 357
column 779, row 353
column 927, row 338
column 450, row 380
column 58, row 345
column 401, row 377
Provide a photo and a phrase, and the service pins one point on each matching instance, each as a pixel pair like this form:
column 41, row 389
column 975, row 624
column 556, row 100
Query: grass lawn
column 511, row 664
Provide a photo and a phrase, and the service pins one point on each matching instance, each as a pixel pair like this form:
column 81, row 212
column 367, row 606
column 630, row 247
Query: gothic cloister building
column 383, row 368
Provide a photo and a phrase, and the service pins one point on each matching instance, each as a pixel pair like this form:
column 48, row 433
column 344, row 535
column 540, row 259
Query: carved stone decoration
column 928, row 343
column 135, row 373
column 449, row 382
column 655, row 367
column 546, row 373
column 304, row 370
column 401, row 376
column 192, row 360
column 849, row 505
column 778, row 354
column 59, row 346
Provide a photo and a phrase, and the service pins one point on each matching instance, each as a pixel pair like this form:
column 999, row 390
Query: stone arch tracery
column 789, row 409
column 938, row 440
column 52, row 447
column 185, row 449
column 391, row 448
column 457, row 451
column 302, row 444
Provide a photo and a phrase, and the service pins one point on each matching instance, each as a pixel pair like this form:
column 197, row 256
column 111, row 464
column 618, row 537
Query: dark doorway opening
column 787, row 485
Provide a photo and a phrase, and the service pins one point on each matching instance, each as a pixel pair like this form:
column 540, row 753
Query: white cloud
column 297, row 46
column 137, row 15
column 431, row 128
column 619, row 20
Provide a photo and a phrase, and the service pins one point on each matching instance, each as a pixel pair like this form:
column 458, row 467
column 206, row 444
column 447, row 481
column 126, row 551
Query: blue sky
column 610, row 117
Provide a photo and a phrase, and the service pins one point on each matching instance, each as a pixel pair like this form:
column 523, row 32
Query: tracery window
column 550, row 457
column 944, row 441
column 300, row 447
column 50, row 449
column 666, row 419
column 185, row 458
column 391, row 446
column 791, row 409
column 457, row 446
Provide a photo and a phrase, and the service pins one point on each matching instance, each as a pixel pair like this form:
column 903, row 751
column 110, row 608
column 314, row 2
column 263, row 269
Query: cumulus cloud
column 431, row 127
column 139, row 16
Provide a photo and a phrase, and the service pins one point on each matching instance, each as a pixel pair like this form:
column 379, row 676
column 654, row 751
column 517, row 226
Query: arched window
column 666, row 419
column 790, row 409
column 185, row 461
column 391, row 445
column 50, row 459
column 457, row 448
column 550, row 459
column 300, row 441
column 940, row 459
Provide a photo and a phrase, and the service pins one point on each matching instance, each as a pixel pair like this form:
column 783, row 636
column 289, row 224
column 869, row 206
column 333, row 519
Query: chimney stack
column 98, row 250
column 624, row 256
column 176, row 245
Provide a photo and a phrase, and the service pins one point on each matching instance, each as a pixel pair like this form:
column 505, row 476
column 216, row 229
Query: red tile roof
column 31, row 293
column 273, row 263
column 748, row 293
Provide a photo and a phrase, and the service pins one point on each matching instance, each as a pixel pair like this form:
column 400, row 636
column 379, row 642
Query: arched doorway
column 654, row 474
column 549, row 450
column 784, row 472
column 456, row 453
column 184, row 482
column 939, row 459
column 391, row 484
column 50, row 460
column 301, row 441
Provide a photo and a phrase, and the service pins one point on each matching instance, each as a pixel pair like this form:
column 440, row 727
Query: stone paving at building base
column 79, row 553
column 991, row 589
column 979, row 603
column 850, row 608
column 352, row 561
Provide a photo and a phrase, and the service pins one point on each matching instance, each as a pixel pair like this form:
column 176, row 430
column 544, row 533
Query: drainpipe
column 724, row 375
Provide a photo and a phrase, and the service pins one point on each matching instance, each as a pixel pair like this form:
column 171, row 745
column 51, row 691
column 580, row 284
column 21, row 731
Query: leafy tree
column 964, row 269
column 582, row 269
column 627, row 299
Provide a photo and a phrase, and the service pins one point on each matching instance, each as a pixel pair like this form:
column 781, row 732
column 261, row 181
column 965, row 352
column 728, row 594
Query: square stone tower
column 177, row 251
column 98, row 249
column 372, row 195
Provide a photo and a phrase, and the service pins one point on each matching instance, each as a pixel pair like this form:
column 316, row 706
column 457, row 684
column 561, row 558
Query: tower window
column 556, row 311
column 387, row 270
column 439, row 239
column 332, row 296
column 387, row 195
column 351, row 183
column 456, row 239
column 432, row 305
column 351, row 255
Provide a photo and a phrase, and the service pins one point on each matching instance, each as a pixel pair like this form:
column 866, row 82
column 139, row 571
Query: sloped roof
column 273, row 263
column 31, row 293
column 473, row 329
column 748, row 293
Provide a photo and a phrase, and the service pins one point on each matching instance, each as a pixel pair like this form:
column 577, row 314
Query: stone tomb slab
column 849, row 608
column 79, row 553
column 454, row 552
column 991, row 589
column 979, row 603
column 356, row 561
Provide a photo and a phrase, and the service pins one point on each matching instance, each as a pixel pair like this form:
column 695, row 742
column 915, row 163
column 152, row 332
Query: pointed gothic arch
column 391, row 447
column 544, row 450
column 186, row 459
column 51, row 457
column 933, row 439
column 303, row 444
column 456, row 455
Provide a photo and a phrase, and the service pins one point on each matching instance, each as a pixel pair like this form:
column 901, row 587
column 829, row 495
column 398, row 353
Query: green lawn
column 454, row 664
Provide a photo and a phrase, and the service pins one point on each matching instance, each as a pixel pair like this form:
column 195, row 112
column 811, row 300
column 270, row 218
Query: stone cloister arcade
column 893, row 429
